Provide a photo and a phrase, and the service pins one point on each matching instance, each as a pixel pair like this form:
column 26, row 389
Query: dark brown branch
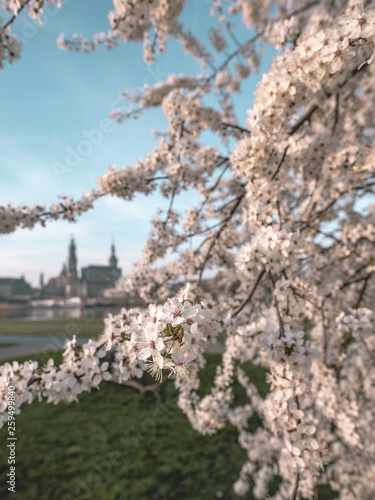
column 325, row 335
column 280, row 163
column 214, row 186
column 234, row 54
column 15, row 15
column 303, row 119
column 225, row 205
column 362, row 291
column 350, row 280
column 319, row 214
column 154, row 42
column 229, row 28
column 224, row 161
column 281, row 324
column 279, row 215
column 238, row 127
column 170, row 206
column 255, row 38
column 202, row 231
column 313, row 108
column 217, row 236
column 295, row 489
column 160, row 178
column 250, row 296
column 336, row 119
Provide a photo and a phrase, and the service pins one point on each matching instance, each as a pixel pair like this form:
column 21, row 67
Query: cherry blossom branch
column 14, row 17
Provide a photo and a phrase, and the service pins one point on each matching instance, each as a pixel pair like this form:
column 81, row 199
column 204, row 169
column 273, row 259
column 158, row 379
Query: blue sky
column 48, row 99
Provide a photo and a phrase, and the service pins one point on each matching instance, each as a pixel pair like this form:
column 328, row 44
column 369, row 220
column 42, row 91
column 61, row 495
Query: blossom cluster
column 77, row 42
column 166, row 337
column 134, row 21
column 10, row 46
column 269, row 248
column 12, row 217
column 162, row 339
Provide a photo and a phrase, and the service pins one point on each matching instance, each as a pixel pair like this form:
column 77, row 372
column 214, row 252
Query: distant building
column 92, row 282
column 15, row 290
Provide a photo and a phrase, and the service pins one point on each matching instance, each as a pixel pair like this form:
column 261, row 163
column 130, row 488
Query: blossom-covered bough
column 286, row 213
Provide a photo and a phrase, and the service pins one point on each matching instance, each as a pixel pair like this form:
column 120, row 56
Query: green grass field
column 90, row 327
column 116, row 444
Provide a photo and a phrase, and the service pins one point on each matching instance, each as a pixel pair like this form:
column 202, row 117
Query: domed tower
column 72, row 261
column 113, row 258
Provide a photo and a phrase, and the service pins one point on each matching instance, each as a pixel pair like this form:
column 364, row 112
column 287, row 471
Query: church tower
column 113, row 258
column 72, row 261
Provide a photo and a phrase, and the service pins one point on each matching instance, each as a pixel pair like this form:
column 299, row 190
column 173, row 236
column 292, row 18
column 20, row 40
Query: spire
column 72, row 260
column 113, row 258
column 113, row 246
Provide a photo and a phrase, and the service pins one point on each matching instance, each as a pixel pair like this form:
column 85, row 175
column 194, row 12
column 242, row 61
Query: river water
column 30, row 314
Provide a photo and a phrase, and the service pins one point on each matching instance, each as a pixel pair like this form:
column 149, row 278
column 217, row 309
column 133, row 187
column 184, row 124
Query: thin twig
column 295, row 489
column 170, row 206
column 336, row 119
column 249, row 297
column 280, row 163
column 255, row 38
column 362, row 291
column 281, row 325
column 303, row 119
column 217, row 236
column 15, row 15
column 238, row 127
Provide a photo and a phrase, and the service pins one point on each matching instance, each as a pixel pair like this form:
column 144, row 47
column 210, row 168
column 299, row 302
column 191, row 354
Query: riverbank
column 87, row 327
